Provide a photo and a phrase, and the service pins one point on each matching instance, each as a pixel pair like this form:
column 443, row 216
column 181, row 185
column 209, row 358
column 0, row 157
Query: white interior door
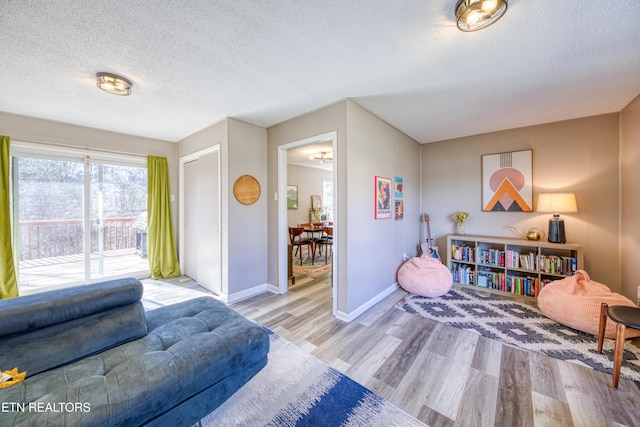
column 201, row 221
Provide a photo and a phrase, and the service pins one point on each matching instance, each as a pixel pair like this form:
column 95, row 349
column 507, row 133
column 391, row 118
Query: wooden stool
column 625, row 317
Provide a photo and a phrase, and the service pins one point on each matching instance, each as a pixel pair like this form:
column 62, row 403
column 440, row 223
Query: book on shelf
column 462, row 253
column 491, row 257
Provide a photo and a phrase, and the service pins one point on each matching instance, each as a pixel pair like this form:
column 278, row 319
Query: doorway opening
column 308, row 153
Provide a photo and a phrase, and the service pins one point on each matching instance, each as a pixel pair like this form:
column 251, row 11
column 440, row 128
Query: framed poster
column 397, row 186
column 382, row 197
column 399, row 210
column 292, row 197
column 507, row 183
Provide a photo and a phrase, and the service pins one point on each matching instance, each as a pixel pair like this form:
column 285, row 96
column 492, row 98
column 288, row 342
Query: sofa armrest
column 31, row 312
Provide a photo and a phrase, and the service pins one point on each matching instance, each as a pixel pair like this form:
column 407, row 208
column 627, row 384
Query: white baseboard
column 350, row 317
column 247, row 293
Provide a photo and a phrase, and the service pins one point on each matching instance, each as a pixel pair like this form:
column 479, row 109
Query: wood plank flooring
column 442, row 375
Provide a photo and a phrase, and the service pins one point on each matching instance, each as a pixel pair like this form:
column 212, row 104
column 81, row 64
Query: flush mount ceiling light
column 473, row 15
column 114, row 84
column 322, row 156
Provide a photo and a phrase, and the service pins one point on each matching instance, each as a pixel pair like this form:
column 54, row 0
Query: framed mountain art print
column 507, row 183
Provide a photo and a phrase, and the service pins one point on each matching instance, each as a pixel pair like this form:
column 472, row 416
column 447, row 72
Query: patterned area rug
column 296, row 389
column 318, row 267
column 523, row 326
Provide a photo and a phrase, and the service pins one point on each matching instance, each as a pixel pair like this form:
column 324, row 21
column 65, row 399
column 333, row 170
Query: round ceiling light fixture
column 323, row 157
column 474, row 15
column 114, row 84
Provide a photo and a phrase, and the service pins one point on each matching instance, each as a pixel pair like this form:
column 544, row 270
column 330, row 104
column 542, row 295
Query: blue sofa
column 94, row 357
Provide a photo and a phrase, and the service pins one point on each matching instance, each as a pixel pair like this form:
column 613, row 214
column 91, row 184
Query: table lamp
column 557, row 203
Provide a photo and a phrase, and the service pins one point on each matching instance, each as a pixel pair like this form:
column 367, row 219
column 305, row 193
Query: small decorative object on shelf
column 460, row 218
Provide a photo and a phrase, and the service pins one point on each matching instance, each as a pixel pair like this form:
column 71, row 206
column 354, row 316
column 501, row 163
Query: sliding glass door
column 118, row 220
column 48, row 233
column 77, row 220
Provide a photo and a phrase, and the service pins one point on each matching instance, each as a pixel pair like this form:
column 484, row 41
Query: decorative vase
column 461, row 229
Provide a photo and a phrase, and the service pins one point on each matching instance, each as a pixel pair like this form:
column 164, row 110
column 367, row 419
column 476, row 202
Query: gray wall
column 578, row 155
column 367, row 147
column 376, row 247
column 328, row 119
column 244, row 227
column 630, row 196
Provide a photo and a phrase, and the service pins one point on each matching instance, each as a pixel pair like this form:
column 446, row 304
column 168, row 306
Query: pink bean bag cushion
column 425, row 276
column 575, row 302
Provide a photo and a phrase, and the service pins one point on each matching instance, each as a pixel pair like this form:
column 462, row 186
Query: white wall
column 309, row 182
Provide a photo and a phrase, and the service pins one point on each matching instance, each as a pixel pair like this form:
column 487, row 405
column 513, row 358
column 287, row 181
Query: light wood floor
column 442, row 375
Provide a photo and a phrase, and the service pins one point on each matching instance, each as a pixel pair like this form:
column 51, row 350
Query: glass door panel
column 48, row 203
column 118, row 220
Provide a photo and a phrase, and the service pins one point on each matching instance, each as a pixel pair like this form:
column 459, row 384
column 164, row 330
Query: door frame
column 182, row 161
column 283, row 228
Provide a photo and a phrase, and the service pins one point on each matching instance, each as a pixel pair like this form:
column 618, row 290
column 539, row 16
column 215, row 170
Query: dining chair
column 328, row 242
column 625, row 317
column 297, row 241
column 312, row 229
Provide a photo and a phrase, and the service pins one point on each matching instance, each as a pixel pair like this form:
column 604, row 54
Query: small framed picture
column 399, row 215
column 292, row 197
column 398, row 187
column 316, row 202
column 382, row 197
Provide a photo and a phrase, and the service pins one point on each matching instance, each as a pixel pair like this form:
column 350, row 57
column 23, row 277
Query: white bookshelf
column 514, row 266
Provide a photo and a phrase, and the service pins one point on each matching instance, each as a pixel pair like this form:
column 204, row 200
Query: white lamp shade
column 557, row 203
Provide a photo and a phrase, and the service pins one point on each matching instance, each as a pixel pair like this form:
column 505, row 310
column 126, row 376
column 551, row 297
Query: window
column 327, row 197
column 74, row 216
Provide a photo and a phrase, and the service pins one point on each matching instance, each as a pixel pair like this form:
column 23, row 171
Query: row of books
column 519, row 285
column 553, row 264
column 462, row 253
column 514, row 259
column 463, row 274
column 491, row 257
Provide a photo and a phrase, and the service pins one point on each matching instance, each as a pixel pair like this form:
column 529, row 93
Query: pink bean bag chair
column 425, row 276
column 575, row 302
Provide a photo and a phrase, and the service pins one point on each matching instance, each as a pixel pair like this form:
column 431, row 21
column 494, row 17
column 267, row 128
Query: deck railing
column 52, row 238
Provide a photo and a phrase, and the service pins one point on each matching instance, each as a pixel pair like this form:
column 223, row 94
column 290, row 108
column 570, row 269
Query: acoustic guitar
column 427, row 248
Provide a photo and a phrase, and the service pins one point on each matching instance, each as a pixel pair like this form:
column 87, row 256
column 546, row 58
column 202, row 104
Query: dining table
column 312, row 230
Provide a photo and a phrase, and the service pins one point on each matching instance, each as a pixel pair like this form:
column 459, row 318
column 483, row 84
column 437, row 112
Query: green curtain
column 161, row 248
column 8, row 282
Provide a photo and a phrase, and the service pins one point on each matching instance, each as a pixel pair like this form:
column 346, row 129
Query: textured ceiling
column 194, row 62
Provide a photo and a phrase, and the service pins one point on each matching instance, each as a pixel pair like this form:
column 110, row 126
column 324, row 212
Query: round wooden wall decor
column 246, row 189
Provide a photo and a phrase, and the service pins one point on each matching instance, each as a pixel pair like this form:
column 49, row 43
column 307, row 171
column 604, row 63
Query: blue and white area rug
column 523, row 326
column 296, row 389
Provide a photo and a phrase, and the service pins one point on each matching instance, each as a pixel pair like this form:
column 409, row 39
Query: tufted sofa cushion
column 191, row 347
